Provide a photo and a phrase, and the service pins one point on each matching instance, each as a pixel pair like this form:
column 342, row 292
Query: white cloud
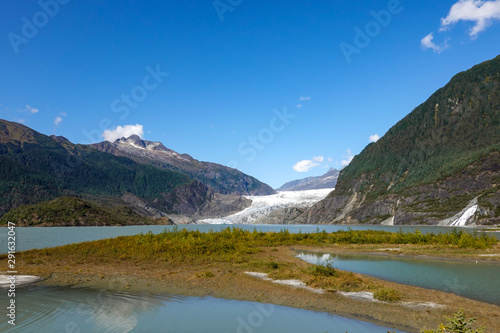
column 482, row 13
column 31, row 109
column 58, row 120
column 304, row 98
column 374, row 138
column 299, row 106
column 427, row 43
column 125, row 131
column 305, row 165
column 330, row 160
column 347, row 158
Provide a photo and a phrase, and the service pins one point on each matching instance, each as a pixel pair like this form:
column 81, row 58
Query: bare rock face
column 221, row 205
column 426, row 204
column 141, row 206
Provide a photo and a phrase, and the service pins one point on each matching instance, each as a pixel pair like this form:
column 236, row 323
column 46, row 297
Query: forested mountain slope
column 429, row 165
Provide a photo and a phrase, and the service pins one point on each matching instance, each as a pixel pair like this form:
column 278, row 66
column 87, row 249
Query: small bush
column 458, row 324
column 327, row 270
column 387, row 295
column 208, row 274
column 273, row 265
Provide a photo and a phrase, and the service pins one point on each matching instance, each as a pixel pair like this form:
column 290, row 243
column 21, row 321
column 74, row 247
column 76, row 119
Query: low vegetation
column 68, row 211
column 214, row 263
column 232, row 244
column 459, row 323
column 387, row 295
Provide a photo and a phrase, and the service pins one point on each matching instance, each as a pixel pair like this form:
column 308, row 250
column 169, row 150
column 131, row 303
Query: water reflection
column 84, row 310
column 477, row 281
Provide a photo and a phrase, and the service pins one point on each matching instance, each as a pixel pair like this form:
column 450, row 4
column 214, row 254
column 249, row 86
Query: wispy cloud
column 482, row 13
column 299, row 106
column 58, row 120
column 304, row 98
column 31, row 109
column 374, row 138
column 125, row 131
column 347, row 158
column 428, row 43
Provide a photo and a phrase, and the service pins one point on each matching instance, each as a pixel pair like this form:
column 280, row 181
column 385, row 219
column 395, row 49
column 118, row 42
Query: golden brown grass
column 154, row 264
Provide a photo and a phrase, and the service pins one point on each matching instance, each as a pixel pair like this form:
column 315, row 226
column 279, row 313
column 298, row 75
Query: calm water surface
column 37, row 238
column 479, row 281
column 55, row 310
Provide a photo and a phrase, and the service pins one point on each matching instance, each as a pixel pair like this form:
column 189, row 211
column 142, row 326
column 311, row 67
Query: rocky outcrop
column 141, row 206
column 440, row 203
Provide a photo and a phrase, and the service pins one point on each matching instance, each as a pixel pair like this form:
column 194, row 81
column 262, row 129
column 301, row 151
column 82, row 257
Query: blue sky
column 264, row 86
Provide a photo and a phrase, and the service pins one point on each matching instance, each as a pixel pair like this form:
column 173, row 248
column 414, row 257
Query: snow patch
column 359, row 295
column 262, row 206
column 20, row 280
column 292, row 283
column 423, row 305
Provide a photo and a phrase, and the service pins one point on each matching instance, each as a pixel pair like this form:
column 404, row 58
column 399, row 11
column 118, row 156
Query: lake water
column 59, row 310
column 479, row 281
column 85, row 310
column 37, row 238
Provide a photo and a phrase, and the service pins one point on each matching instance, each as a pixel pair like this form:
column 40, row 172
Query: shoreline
column 229, row 281
column 493, row 259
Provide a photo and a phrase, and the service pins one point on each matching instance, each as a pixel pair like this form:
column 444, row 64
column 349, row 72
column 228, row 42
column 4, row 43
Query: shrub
column 387, row 295
column 327, row 270
column 458, row 324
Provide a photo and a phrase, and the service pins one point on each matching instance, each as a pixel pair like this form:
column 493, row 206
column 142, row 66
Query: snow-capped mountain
column 219, row 178
column 328, row 180
column 263, row 207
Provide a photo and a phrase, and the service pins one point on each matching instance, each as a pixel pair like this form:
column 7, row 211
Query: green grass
column 234, row 244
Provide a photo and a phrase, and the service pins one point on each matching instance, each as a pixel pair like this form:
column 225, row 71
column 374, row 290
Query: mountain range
column 36, row 168
column 221, row 179
column 440, row 161
column 328, row 180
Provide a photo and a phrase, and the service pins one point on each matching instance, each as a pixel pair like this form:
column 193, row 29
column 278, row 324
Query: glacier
column 262, row 206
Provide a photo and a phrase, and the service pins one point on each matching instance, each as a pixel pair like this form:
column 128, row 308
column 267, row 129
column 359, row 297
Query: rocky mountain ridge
column 328, row 180
column 221, row 179
column 35, row 168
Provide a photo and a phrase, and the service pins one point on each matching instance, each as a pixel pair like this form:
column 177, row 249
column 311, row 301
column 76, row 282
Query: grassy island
column 217, row 264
